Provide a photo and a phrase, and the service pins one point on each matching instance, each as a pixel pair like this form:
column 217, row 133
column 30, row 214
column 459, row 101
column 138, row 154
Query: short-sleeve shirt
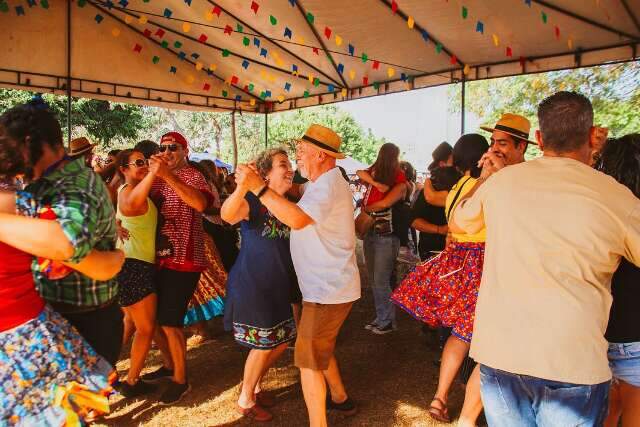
column 556, row 231
column 323, row 253
column 77, row 198
column 376, row 195
column 463, row 186
column 180, row 223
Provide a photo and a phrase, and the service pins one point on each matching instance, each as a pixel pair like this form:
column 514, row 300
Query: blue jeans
column 624, row 361
column 519, row 400
column 380, row 253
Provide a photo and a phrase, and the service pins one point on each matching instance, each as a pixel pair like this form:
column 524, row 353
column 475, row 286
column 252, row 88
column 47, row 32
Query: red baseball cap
column 175, row 138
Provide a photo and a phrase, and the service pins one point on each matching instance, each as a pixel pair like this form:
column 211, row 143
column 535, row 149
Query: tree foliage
column 613, row 90
column 108, row 123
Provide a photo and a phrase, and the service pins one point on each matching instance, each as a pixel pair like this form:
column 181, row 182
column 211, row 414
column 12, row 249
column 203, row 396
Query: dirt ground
column 391, row 377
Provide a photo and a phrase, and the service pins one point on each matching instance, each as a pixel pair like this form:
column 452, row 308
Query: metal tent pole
column 234, row 139
column 462, row 104
column 266, row 130
column 69, row 73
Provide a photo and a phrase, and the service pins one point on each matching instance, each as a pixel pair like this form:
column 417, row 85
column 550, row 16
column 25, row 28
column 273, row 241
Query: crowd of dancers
column 518, row 263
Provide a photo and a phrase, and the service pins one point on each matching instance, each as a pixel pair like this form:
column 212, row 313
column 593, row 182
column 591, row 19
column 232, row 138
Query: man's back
column 555, row 232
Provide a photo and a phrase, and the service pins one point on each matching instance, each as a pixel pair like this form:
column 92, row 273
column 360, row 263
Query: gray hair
column 565, row 120
column 264, row 161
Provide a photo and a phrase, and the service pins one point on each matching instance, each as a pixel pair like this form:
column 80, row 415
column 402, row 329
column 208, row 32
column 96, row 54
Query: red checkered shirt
column 182, row 224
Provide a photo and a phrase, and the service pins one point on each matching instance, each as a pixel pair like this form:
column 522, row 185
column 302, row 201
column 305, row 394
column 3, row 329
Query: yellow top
column 141, row 244
column 467, row 184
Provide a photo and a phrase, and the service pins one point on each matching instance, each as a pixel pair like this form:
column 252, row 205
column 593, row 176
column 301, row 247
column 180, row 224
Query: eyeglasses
column 139, row 163
column 171, row 147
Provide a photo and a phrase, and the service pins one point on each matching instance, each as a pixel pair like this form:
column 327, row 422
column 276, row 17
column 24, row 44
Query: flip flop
column 439, row 414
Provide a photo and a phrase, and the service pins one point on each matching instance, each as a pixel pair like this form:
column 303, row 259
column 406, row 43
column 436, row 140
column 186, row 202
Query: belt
column 64, row 308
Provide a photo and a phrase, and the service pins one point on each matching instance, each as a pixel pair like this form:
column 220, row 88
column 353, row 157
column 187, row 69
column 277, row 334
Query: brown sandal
column 256, row 413
column 439, row 414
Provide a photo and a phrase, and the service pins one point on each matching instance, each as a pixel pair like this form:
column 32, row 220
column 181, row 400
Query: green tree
column 108, row 123
column 612, row 89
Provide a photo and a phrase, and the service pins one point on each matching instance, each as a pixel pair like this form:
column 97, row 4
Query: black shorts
column 174, row 289
column 136, row 280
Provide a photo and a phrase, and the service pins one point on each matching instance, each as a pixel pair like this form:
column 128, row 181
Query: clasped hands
column 490, row 162
column 248, row 178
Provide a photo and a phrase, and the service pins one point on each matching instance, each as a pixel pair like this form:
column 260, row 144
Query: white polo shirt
column 324, row 253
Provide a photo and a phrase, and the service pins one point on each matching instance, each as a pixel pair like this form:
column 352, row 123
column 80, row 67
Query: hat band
column 319, row 144
column 519, row 133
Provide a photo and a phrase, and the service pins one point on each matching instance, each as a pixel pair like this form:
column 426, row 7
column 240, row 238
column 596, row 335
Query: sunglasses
column 171, row 147
column 139, row 163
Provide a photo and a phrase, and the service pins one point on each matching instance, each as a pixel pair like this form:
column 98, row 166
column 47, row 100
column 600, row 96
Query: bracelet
column 262, row 191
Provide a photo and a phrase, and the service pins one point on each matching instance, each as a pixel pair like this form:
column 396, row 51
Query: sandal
column 265, row 399
column 256, row 413
column 439, row 414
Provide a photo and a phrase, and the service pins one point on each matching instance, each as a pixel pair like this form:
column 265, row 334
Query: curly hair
column 620, row 159
column 11, row 156
column 33, row 125
column 264, row 161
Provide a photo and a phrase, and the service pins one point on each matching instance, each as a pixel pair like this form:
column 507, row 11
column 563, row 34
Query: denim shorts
column 624, row 361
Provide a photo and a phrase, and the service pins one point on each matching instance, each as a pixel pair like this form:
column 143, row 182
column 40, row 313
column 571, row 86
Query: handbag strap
column 455, row 199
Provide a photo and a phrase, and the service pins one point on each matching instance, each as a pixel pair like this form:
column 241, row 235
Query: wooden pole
column 234, row 141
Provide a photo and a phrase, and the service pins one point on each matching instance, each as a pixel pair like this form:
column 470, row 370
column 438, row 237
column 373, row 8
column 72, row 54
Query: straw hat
column 324, row 139
column 514, row 125
column 80, row 146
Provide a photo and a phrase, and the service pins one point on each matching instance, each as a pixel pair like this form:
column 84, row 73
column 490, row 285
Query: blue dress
column 261, row 282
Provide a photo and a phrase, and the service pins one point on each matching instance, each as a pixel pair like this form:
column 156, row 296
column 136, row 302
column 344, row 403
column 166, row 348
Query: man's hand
column 490, row 163
column 154, row 166
column 121, row 232
column 247, row 178
column 162, row 170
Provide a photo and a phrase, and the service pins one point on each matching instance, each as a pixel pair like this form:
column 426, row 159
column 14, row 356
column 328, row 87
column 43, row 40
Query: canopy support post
column 462, row 103
column 69, row 73
column 266, row 130
column 234, row 141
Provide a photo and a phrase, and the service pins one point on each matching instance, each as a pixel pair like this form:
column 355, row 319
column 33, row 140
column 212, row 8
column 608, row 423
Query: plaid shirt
column 80, row 201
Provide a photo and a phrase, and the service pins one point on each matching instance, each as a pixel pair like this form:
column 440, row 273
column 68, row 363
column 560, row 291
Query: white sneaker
column 406, row 256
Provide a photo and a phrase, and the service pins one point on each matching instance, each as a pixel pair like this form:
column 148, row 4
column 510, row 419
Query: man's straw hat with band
column 324, row 139
column 514, row 125
column 80, row 146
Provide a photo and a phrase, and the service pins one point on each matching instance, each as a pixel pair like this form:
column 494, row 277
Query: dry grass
column 392, row 378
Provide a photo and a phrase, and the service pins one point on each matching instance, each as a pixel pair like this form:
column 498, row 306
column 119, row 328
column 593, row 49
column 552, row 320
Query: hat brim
column 488, row 129
column 337, row 155
column 82, row 151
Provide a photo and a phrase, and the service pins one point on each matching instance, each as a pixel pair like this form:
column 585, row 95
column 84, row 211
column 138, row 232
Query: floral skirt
column 49, row 375
column 444, row 290
column 208, row 299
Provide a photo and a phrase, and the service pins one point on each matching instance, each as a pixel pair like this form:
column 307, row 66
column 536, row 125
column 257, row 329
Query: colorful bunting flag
column 172, row 69
column 340, row 68
column 255, row 6
column 186, row 27
column 188, row 2
column 251, row 87
column 234, row 80
column 480, row 27
column 280, row 98
column 245, row 64
column 115, row 32
column 376, row 85
column 316, row 51
column 99, row 18
column 160, row 33
column 453, row 60
column 199, row 66
column 410, row 22
column 164, row 44
column 557, row 32
column 364, row 57
column 238, row 97
column 352, row 50
column 137, row 48
column 155, row 59
column 352, row 74
column 225, row 93
column 147, row 33
column 544, row 17
column 316, row 82
column 228, row 29
column 239, row 28
column 213, row 67
column 167, row 13
column 465, row 12
column 287, row 87
column 256, row 42
column 217, row 11
column 263, row 52
column 182, row 56
column 338, row 40
column 391, row 72
column 376, row 65
column 310, row 17
column 202, row 38
column 439, row 47
column 293, row 3
column 273, row 20
column 142, row 19
column 246, row 41
column 327, row 33
column 252, row 102
column 425, row 35
column 288, row 33
column 177, row 44
column 128, row 19
column 365, row 81
column 509, row 52
column 394, row 6
column 225, row 53
column 496, row 40
column 466, row 69
column 306, row 94
column 206, row 86
column 330, row 88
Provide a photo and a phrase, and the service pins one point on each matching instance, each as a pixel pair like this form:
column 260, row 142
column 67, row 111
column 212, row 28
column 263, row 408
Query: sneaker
column 138, row 389
column 381, row 331
column 347, row 408
column 157, row 375
column 370, row 326
column 174, row 393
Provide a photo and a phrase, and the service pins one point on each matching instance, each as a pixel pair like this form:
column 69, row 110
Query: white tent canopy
column 274, row 55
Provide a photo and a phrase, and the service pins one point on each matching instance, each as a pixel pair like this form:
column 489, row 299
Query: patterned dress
column 261, row 283
column 444, row 290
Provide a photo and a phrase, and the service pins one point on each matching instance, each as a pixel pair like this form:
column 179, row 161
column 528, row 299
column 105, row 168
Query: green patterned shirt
column 80, row 201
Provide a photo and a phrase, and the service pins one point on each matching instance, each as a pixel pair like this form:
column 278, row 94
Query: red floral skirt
column 443, row 291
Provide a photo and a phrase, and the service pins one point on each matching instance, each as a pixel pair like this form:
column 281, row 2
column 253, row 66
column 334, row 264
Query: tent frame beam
column 313, row 29
column 63, row 86
column 288, row 51
column 239, row 89
column 421, row 29
column 68, row 74
column 585, row 19
column 633, row 17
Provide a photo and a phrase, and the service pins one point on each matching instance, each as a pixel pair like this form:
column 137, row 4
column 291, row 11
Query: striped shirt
column 79, row 202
